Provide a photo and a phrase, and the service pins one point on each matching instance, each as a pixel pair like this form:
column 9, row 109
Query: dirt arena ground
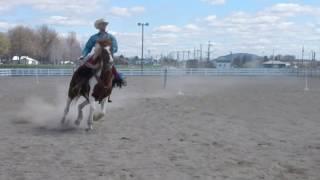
column 197, row 129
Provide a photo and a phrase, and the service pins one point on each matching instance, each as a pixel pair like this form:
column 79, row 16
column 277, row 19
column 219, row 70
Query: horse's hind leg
column 80, row 112
column 66, row 111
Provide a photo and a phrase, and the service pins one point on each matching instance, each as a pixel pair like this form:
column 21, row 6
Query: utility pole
column 142, row 41
column 306, row 88
column 183, row 55
column 200, row 52
column 302, row 56
column 209, row 46
column 273, row 58
column 178, row 55
column 149, row 54
column 194, row 53
column 313, row 59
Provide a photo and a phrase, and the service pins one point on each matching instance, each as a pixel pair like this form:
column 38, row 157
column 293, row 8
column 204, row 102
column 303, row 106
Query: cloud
column 126, row 12
column 168, row 29
column 192, row 28
column 272, row 27
column 5, row 25
column 215, row 2
column 122, row 12
column 211, row 18
column 275, row 27
column 137, row 9
column 70, row 6
column 291, row 9
column 65, row 21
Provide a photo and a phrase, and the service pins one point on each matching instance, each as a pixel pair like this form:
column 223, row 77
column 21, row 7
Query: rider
column 101, row 25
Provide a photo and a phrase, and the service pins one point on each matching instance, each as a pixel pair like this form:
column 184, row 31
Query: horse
column 93, row 81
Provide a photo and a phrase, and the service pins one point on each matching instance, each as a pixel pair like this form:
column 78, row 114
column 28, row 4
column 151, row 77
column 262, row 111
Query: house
column 24, row 60
column 66, row 62
column 223, row 64
column 275, row 64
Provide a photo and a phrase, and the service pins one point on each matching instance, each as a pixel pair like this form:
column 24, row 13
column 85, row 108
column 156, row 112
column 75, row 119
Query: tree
column 4, row 45
column 23, row 41
column 56, row 51
column 65, row 49
column 73, row 47
column 42, row 43
column 45, row 39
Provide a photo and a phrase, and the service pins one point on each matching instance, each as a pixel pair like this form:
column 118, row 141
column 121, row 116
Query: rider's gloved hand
column 81, row 58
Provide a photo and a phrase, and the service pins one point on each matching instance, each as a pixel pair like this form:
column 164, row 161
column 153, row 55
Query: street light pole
column 142, row 41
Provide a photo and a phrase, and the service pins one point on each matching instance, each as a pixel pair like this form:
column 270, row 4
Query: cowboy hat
column 99, row 22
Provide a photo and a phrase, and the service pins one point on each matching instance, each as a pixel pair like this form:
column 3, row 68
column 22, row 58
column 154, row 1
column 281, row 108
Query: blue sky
column 254, row 26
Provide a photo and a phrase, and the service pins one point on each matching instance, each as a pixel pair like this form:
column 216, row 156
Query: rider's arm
column 114, row 44
column 88, row 47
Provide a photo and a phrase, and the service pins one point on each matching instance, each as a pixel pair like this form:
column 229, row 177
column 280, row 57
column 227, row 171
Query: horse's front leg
column 80, row 112
column 66, row 111
column 103, row 104
column 109, row 99
column 91, row 113
column 102, row 113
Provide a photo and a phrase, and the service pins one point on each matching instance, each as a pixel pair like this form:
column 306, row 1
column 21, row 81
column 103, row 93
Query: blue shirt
column 93, row 39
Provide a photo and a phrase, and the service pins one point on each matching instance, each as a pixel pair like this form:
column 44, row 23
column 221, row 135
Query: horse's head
column 103, row 42
column 103, row 51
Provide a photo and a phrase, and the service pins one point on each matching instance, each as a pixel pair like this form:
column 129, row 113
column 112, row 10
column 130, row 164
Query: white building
column 66, row 62
column 223, row 64
column 275, row 64
column 25, row 60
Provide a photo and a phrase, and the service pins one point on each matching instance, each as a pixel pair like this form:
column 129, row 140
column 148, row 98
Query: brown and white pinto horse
column 93, row 81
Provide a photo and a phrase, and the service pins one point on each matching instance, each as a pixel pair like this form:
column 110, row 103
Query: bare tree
column 45, row 39
column 4, row 45
column 65, row 49
column 56, row 51
column 73, row 45
column 23, row 41
column 43, row 44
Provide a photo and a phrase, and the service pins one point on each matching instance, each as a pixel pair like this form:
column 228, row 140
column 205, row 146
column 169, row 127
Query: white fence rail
column 5, row 72
column 170, row 72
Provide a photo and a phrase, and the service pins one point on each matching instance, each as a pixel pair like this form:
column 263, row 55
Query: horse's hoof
column 63, row 121
column 98, row 117
column 77, row 123
column 90, row 128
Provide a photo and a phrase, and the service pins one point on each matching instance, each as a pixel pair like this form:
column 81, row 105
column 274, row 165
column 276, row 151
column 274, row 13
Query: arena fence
column 170, row 72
